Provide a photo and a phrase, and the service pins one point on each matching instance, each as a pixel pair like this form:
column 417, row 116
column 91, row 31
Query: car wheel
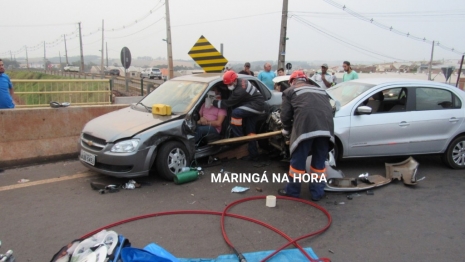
column 455, row 153
column 171, row 158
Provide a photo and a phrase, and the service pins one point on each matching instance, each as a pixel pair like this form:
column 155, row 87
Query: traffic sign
column 288, row 66
column 125, row 57
column 207, row 57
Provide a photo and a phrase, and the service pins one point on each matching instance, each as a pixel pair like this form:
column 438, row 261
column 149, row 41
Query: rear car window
column 428, row 98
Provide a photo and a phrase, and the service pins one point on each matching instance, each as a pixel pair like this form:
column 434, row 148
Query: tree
column 10, row 64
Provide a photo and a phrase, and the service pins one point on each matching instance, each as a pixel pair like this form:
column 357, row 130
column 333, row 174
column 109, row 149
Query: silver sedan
column 390, row 117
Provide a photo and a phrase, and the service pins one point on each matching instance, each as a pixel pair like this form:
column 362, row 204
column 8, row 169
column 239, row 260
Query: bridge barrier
column 34, row 135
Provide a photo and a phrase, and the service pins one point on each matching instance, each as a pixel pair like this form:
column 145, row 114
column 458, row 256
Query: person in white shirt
column 324, row 79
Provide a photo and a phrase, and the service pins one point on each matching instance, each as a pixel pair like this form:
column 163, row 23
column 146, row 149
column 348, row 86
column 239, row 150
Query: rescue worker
column 307, row 117
column 247, row 103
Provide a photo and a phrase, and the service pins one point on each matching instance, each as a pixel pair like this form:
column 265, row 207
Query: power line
column 137, row 31
column 390, row 28
column 345, row 42
column 226, row 19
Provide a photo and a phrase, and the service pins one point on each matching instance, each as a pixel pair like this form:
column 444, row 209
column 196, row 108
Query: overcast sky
column 249, row 29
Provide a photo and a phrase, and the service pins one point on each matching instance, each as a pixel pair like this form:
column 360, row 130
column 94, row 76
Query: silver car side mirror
column 364, row 110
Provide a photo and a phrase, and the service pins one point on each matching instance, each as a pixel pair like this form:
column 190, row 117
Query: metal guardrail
column 40, row 92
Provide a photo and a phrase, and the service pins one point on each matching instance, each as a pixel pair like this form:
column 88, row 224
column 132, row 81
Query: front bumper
column 124, row 165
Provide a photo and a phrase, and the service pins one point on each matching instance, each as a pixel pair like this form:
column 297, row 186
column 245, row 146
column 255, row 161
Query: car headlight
column 125, row 146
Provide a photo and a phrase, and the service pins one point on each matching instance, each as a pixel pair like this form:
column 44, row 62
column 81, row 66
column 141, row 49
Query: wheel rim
column 176, row 160
column 458, row 153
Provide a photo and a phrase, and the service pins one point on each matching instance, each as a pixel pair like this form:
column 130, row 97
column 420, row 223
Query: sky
column 248, row 29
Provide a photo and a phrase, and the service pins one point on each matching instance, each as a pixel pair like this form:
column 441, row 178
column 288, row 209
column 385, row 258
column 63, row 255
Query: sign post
column 126, row 62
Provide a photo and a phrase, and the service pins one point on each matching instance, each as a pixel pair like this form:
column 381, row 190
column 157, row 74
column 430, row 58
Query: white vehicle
column 151, row 73
column 70, row 68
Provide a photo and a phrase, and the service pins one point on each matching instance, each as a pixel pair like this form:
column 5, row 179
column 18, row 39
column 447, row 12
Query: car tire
column 171, row 158
column 454, row 156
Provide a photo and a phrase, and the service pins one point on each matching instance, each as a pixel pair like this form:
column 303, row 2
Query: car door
column 384, row 132
column 437, row 116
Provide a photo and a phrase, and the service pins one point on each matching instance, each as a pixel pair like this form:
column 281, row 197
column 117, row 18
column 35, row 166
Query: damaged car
column 158, row 132
column 394, row 117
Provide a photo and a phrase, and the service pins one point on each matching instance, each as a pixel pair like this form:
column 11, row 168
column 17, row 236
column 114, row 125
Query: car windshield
column 180, row 95
column 347, row 91
column 155, row 69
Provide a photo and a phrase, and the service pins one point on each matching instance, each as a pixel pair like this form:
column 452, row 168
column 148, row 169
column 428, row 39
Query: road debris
column 258, row 189
column 23, row 180
column 239, row 189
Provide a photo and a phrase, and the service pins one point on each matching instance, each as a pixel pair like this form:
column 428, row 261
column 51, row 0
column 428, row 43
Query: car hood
column 123, row 123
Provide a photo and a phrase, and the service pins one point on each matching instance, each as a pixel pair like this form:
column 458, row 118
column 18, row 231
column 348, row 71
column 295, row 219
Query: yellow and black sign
column 207, row 57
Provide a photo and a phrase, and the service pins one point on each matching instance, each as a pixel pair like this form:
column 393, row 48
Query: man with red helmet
column 247, row 103
column 307, row 116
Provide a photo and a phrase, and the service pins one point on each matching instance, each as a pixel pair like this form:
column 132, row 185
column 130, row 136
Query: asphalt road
column 397, row 223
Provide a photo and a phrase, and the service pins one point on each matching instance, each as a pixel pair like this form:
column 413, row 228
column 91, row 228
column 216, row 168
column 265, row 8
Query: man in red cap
column 307, row 117
column 247, row 103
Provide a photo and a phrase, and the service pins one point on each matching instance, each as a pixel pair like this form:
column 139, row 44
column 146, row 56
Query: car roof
column 381, row 80
column 205, row 77
column 281, row 78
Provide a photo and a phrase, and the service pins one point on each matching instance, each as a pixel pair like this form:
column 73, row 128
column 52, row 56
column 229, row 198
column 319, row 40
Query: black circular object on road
column 288, row 66
column 126, row 57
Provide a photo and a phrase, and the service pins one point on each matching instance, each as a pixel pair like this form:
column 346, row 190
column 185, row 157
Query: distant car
column 151, row 73
column 70, row 68
column 399, row 117
column 131, row 141
column 113, row 72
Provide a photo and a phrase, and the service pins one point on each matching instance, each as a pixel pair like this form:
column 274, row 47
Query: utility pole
column 107, row 51
column 101, row 61
column 221, row 48
column 282, row 36
column 45, row 64
column 82, row 54
column 430, row 62
column 460, row 71
column 59, row 53
column 168, row 40
column 11, row 56
column 27, row 60
column 66, row 50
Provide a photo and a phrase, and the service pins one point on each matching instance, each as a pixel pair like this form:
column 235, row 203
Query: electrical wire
column 226, row 214
column 390, row 28
column 137, row 31
column 226, row 19
column 329, row 34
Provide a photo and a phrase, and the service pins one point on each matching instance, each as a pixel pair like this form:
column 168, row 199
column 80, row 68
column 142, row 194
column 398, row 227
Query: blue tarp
column 155, row 253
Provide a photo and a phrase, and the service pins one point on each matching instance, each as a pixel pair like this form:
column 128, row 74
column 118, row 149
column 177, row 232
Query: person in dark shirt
column 247, row 70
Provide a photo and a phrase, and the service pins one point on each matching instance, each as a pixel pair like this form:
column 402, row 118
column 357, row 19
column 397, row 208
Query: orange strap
column 236, row 121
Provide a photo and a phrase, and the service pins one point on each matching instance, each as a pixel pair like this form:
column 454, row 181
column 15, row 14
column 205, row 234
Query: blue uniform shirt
column 267, row 78
column 6, row 101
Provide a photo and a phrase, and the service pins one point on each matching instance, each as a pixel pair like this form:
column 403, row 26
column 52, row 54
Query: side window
column 263, row 89
column 428, row 98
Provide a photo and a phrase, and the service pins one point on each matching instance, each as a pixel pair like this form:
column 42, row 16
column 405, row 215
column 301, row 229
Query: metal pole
column 66, row 50
column 59, row 53
column 11, row 56
column 460, row 71
column 45, row 65
column 27, row 59
column 221, row 48
column 107, row 52
column 282, row 36
column 101, row 61
column 80, row 43
column 430, row 62
column 168, row 40
column 125, row 72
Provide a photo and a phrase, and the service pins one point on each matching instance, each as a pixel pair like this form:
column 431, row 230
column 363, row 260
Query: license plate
column 87, row 157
